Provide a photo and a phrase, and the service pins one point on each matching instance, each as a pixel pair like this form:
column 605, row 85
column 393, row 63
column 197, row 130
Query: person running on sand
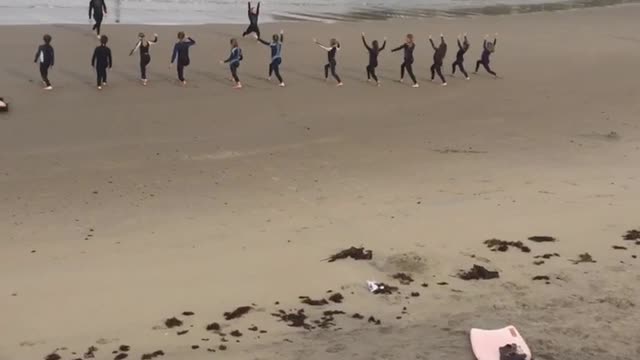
column 462, row 49
column 46, row 58
column 145, row 58
column 276, row 55
column 332, row 50
column 407, row 64
column 99, row 9
column 181, row 53
column 374, row 51
column 253, row 14
column 234, row 59
column 102, row 60
column 488, row 48
column 440, row 52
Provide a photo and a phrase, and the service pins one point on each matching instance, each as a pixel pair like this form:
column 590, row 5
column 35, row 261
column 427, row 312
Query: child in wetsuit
column 276, row 55
column 440, row 52
column 46, row 58
column 253, row 14
column 234, row 59
column 99, row 9
column 332, row 50
column 145, row 58
column 102, row 60
column 487, row 49
column 407, row 64
column 374, row 51
column 181, row 53
column 462, row 49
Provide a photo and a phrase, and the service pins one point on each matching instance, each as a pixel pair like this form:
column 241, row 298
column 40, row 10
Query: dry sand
column 123, row 208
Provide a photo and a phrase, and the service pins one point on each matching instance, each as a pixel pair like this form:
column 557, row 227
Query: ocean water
column 13, row 12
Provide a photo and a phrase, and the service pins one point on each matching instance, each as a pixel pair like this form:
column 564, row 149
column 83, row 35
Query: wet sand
column 126, row 207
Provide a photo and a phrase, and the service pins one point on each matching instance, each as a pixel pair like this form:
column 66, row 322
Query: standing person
column 181, row 53
column 487, row 49
column 374, row 51
column 145, row 58
column 334, row 47
column 440, row 52
column 46, row 57
column 407, row 64
column 99, row 9
column 102, row 60
column 253, row 21
column 276, row 55
column 462, row 49
column 234, row 62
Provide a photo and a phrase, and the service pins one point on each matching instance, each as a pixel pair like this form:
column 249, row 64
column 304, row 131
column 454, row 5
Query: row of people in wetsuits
column 102, row 58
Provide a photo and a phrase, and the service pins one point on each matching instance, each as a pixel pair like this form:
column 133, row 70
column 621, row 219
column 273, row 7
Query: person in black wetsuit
column 181, row 53
column 462, row 49
column 145, row 58
column 234, row 59
column 102, row 60
column 253, row 21
column 46, row 58
column 487, row 49
column 440, row 52
column 276, row 55
column 334, row 47
column 99, row 9
column 407, row 64
column 374, row 51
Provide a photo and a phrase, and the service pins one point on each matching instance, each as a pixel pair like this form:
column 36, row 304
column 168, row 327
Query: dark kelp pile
column 353, row 253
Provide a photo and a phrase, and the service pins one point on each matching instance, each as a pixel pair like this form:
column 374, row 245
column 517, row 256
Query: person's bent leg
column 181, row 72
column 463, row 70
column 433, row 72
column 488, row 68
column 326, row 71
column 333, row 72
column 276, row 70
column 478, row 63
column 373, row 74
column 439, row 72
column 410, row 71
column 234, row 73
column 402, row 68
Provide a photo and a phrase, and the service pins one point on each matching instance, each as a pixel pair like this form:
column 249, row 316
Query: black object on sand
column 511, row 352
column 478, row 272
column 540, row 239
column 4, row 106
column 352, row 252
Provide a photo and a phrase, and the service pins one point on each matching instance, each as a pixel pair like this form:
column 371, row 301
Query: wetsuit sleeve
column 93, row 58
column 459, row 44
column 324, row 47
column 230, row 57
column 37, row 54
column 104, row 6
column 175, row 53
column 155, row 40
column 258, row 9
column 249, row 9
column 90, row 8
column 191, row 41
column 264, row 42
column 365, row 44
column 383, row 46
column 433, row 45
column 281, row 37
column 495, row 41
column 484, row 44
column 53, row 57
column 109, row 58
column 399, row 48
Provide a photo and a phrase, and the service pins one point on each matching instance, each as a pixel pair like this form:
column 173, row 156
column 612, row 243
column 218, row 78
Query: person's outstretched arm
column 442, row 39
column 321, row 46
column 264, row 42
column 399, row 48
column 281, row 35
column 258, row 9
column 136, row 47
column 459, row 43
column 35, row 60
column 495, row 40
column 191, row 41
column 364, row 41
column 90, row 8
column 155, row 39
column 231, row 56
column 104, row 6
column 384, row 44
column 433, row 45
column 249, row 8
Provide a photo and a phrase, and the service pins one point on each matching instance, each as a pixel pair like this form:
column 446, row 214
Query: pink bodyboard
column 486, row 343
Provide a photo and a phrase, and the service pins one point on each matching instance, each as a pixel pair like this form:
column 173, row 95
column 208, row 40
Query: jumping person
column 407, row 64
column 276, row 55
column 145, row 58
column 99, row 9
column 102, row 60
column 440, row 52
column 253, row 21
column 234, row 59
column 181, row 53
column 374, row 51
column 462, row 49
column 334, row 47
column 45, row 57
column 487, row 49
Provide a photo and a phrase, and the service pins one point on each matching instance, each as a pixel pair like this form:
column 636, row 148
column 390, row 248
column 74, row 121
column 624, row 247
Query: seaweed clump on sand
column 294, row 319
column 237, row 313
column 52, row 356
column 478, row 272
column 404, row 279
column 540, row 239
column 502, row 245
column 353, row 253
column 309, row 301
column 584, row 258
column 172, row 322
column 152, row 355
column 336, row 298
column 632, row 235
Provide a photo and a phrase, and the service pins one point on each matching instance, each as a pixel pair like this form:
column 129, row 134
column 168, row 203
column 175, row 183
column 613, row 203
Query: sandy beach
column 123, row 208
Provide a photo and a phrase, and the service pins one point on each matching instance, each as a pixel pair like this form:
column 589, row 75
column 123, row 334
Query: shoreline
column 377, row 14
column 126, row 207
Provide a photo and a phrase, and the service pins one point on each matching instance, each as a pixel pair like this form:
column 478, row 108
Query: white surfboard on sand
column 486, row 344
